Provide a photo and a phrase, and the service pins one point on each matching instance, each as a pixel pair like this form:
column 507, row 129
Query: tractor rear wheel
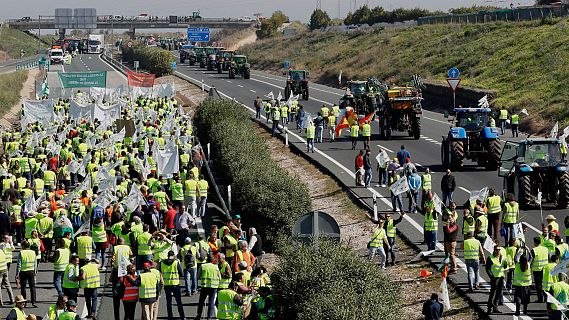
column 563, row 187
column 493, row 156
column 247, row 73
column 457, row 155
column 523, row 186
column 231, row 73
column 192, row 61
column 305, row 94
column 417, row 129
column 219, row 68
column 202, row 63
column 287, row 92
column 387, row 128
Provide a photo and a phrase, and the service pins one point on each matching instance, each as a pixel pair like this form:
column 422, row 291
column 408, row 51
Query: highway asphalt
column 338, row 159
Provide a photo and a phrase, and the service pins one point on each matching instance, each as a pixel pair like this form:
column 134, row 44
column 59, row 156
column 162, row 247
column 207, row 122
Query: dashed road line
column 386, row 149
column 253, row 91
column 240, row 86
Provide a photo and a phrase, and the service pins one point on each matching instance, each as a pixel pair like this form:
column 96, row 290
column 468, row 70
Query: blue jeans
column 472, row 266
column 210, row 293
column 57, row 280
column 382, row 176
column 431, row 239
column 91, row 300
column 391, row 249
column 448, row 195
column 300, row 123
column 319, row 132
column 175, row 291
column 502, row 125
column 191, row 276
column 202, row 207
column 509, row 231
column 367, row 177
column 396, row 200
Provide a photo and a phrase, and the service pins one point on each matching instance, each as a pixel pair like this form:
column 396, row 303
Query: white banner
column 38, row 111
column 444, row 294
column 518, row 231
column 382, row 158
column 481, row 195
column 78, row 111
column 438, row 203
column 400, row 186
column 489, row 244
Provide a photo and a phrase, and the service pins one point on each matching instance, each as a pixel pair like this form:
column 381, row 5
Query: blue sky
column 296, row 9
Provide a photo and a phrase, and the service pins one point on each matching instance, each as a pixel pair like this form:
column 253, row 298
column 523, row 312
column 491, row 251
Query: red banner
column 140, row 79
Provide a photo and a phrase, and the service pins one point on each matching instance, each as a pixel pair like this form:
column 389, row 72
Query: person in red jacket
column 169, row 219
column 359, row 167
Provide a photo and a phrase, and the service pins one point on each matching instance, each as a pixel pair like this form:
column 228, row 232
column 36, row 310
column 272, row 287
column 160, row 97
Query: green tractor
column 240, row 66
column 224, row 60
column 211, row 55
column 362, row 96
column 200, row 55
column 297, row 83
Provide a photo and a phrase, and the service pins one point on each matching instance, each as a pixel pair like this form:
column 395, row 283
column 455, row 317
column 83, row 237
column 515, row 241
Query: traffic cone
column 425, row 273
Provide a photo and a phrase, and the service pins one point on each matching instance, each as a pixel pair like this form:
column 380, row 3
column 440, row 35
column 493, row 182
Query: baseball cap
column 235, row 217
column 146, row 265
column 188, row 240
column 71, row 303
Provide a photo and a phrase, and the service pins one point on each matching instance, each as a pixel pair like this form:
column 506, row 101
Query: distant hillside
column 12, row 41
column 527, row 64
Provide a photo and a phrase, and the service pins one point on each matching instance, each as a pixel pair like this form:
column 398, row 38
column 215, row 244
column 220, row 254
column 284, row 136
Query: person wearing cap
column 171, row 269
column 71, row 312
column 188, row 255
column 229, row 303
column 85, row 246
column 26, row 270
column 90, row 280
column 552, row 225
column 60, row 262
column 162, row 244
column 255, row 246
column 71, row 278
column 18, row 313
column 149, row 285
column 209, row 279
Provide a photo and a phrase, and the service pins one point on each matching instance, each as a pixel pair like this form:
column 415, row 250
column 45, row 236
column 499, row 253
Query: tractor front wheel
column 493, row 157
column 457, row 155
column 563, row 187
column 247, row 74
column 231, row 73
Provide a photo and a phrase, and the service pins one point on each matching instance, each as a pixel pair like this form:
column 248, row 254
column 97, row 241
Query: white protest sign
column 518, row 231
column 422, row 254
column 438, row 203
column 561, row 267
column 489, row 244
column 382, row 158
column 399, row 187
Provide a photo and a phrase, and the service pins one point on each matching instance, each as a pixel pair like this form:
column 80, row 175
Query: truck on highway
column 96, row 43
column 56, row 55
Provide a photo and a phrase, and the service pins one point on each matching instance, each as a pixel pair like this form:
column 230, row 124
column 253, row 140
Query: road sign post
column 453, row 84
column 198, row 34
column 375, row 215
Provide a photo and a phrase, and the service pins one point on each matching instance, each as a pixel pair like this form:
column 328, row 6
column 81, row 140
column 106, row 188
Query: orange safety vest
column 130, row 291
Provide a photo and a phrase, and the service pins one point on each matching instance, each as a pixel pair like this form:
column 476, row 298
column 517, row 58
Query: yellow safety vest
column 515, row 119
column 226, row 307
column 497, row 268
column 511, row 214
column 366, row 130
column 62, row 260
column 354, row 131
column 31, row 225
column 177, row 192
column 160, row 197
column 503, row 114
column 84, row 247
column 46, row 227
column 148, row 286
column 190, row 188
column 391, row 229
column 310, row 132
column 224, row 283
column 91, row 274
column 20, row 315
column 119, row 251
column 203, row 186
column 377, row 238
column 548, row 279
column 99, row 233
column 431, row 222
column 3, row 262
column 540, row 259
column 143, row 241
column 471, row 249
column 554, row 226
column 493, row 204
column 210, row 276
column 560, row 293
column 67, row 282
column 522, row 278
column 426, row 181
column 27, row 260
column 483, row 226
column 170, row 273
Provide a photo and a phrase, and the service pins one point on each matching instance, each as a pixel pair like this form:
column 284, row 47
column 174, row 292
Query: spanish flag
column 345, row 119
column 369, row 118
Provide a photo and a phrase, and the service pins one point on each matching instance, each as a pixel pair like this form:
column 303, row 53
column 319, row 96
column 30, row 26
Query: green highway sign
column 83, row 79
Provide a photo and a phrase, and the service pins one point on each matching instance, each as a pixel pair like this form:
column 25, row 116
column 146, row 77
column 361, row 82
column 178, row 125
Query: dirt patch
column 355, row 228
column 4, row 56
column 187, row 94
column 12, row 117
column 245, row 41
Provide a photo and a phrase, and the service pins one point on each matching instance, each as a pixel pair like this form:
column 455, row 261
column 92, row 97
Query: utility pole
column 339, row 14
column 319, row 4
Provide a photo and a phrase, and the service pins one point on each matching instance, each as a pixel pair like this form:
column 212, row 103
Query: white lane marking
column 440, row 247
column 274, row 85
column 228, row 81
column 384, row 148
column 253, row 91
column 199, row 226
column 436, row 120
column 240, row 86
column 464, row 189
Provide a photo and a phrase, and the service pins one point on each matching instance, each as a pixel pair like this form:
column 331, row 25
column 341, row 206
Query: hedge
column 155, row 60
column 331, row 282
column 265, row 196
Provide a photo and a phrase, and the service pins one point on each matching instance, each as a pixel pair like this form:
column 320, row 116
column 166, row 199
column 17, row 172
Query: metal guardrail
column 512, row 15
column 115, row 63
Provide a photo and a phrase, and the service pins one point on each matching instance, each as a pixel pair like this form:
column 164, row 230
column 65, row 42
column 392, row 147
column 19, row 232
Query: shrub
column 152, row 59
column 265, row 196
column 331, row 282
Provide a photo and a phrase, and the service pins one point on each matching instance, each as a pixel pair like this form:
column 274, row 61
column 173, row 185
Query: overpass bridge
column 45, row 22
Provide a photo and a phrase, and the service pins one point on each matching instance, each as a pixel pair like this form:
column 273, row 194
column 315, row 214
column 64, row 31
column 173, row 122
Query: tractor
column 239, row 66
column 362, row 96
column 211, row 56
column 224, row 60
column 188, row 52
column 471, row 138
column 535, row 170
column 400, row 110
column 297, row 83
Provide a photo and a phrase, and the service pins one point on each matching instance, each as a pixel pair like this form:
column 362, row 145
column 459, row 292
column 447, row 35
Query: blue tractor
column 471, row 137
column 536, row 168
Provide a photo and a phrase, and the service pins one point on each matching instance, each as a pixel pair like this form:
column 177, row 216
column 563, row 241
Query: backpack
column 189, row 259
column 76, row 221
column 201, row 253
